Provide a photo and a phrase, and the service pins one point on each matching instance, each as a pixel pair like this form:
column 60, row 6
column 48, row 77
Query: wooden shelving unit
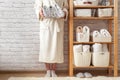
column 112, row 22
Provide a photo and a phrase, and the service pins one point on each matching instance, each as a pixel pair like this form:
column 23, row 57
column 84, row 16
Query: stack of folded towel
column 102, row 36
column 82, row 34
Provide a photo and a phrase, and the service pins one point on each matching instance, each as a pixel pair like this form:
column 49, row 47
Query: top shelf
column 93, row 7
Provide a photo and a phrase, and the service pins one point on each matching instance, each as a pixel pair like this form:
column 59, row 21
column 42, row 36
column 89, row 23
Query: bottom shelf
column 94, row 67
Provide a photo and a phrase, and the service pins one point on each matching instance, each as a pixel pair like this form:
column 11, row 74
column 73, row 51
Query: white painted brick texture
column 19, row 37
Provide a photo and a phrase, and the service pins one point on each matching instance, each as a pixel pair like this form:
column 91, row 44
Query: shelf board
column 94, row 18
column 95, row 67
column 75, row 42
column 92, row 7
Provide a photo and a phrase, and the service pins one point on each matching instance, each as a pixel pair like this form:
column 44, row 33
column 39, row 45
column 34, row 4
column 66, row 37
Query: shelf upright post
column 71, row 38
column 115, row 38
column 110, row 29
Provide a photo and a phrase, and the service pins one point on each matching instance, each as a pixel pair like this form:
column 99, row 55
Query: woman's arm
column 38, row 9
column 65, row 9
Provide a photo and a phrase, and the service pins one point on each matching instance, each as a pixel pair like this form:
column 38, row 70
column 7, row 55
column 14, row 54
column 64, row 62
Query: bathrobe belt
column 56, row 25
column 57, row 28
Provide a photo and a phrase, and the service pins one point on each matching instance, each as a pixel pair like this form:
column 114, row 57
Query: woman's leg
column 47, row 66
column 48, row 74
column 53, row 68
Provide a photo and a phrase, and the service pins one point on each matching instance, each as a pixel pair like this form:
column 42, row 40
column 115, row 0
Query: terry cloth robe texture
column 51, row 33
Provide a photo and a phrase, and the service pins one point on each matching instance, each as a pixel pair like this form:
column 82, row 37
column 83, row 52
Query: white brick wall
column 19, row 37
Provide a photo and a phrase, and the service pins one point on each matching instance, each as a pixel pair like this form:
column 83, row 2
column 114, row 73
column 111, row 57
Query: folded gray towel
column 53, row 11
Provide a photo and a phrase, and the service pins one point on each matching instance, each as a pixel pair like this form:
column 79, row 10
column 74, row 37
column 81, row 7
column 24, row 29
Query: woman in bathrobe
column 51, row 36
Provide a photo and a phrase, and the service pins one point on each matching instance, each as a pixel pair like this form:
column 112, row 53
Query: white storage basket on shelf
column 105, row 12
column 82, row 34
column 83, row 12
column 100, row 59
column 81, row 59
column 102, row 36
column 86, row 2
column 102, row 39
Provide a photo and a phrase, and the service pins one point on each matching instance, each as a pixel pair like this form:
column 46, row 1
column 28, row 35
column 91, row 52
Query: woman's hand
column 41, row 13
column 63, row 16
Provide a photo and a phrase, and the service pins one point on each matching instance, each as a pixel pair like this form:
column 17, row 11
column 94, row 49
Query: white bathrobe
column 51, row 34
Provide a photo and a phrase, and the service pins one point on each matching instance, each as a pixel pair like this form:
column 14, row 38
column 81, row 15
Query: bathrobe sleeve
column 38, row 5
column 65, row 8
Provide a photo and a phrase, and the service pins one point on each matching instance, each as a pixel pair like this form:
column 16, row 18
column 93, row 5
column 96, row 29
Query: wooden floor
column 6, row 75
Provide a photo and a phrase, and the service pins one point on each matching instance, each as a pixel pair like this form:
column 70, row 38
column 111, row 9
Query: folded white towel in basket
column 86, row 48
column 105, row 33
column 96, row 34
column 82, row 34
column 100, row 47
column 105, row 48
column 86, row 29
column 97, row 47
column 78, row 48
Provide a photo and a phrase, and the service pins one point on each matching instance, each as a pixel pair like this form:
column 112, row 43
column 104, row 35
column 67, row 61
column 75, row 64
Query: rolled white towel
column 86, row 29
column 77, row 48
column 75, row 2
column 105, row 33
column 104, row 48
column 96, row 34
column 86, row 48
column 97, row 47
